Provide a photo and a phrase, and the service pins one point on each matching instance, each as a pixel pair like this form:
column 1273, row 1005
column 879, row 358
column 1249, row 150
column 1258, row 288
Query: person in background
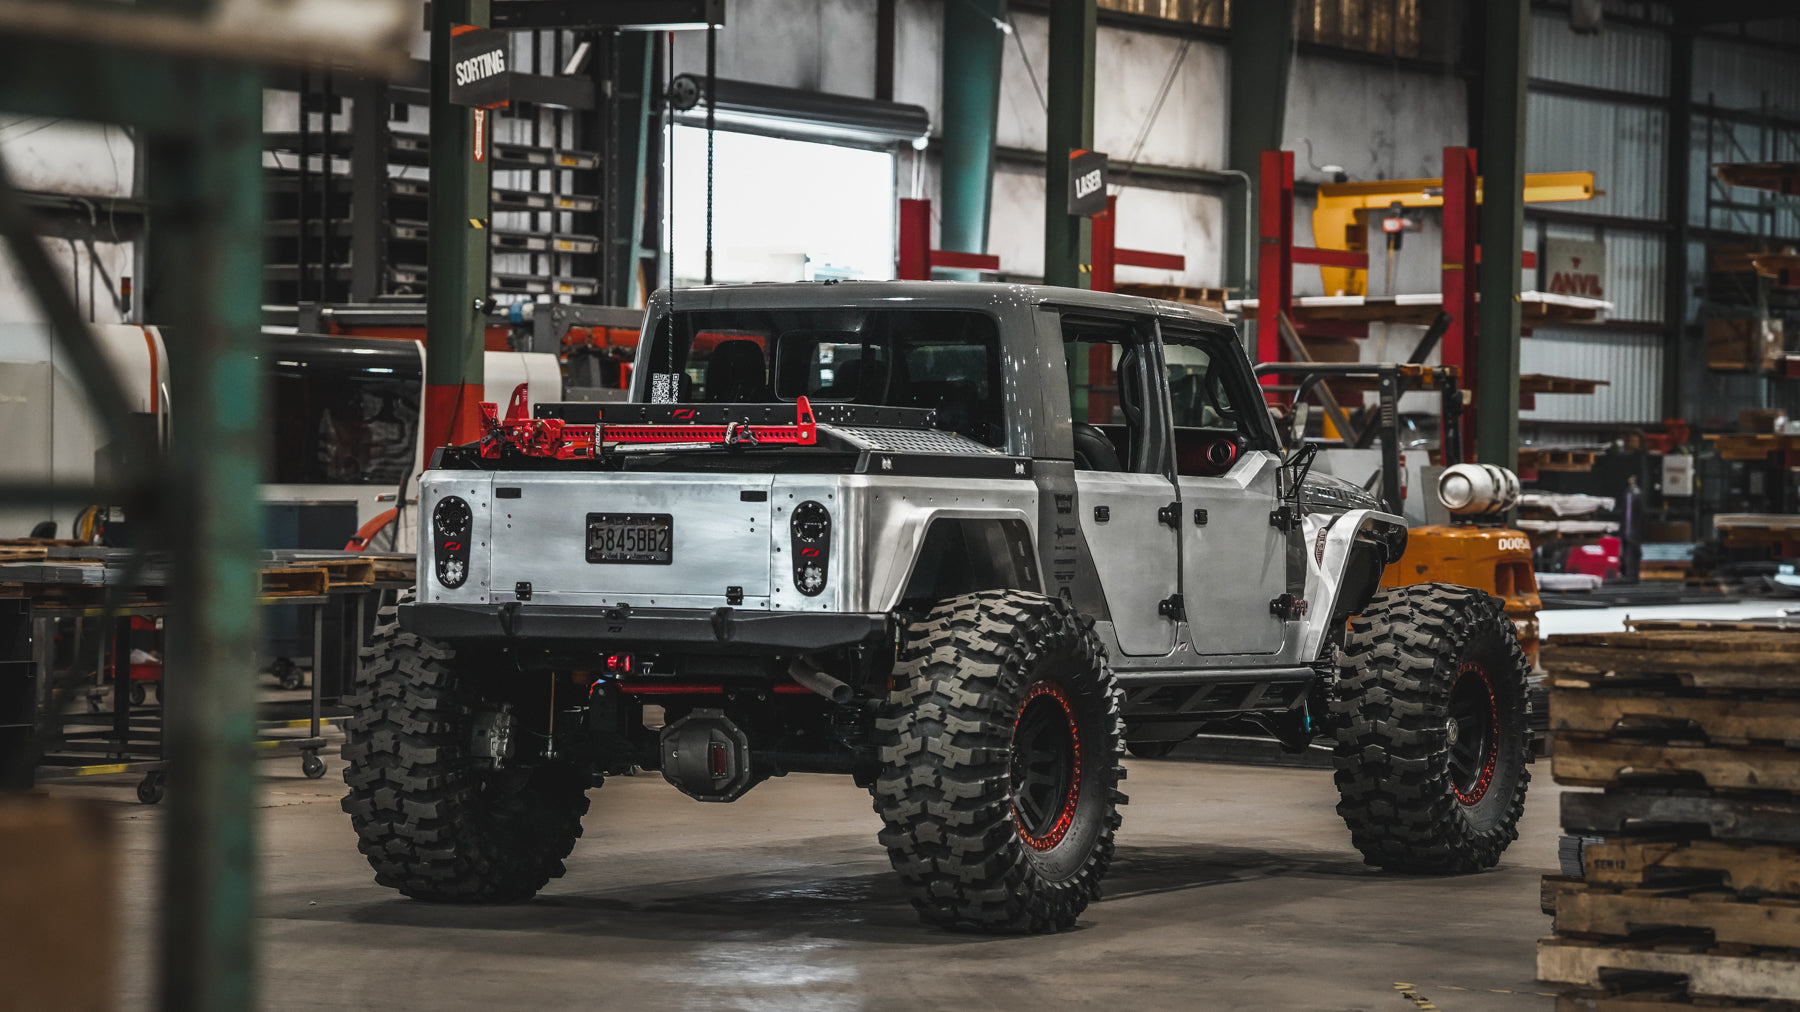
column 1631, row 529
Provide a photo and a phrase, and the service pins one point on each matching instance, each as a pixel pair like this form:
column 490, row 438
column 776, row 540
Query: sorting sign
column 478, row 67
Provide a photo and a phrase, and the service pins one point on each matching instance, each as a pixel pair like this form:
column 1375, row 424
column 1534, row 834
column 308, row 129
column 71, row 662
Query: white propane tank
column 1478, row 489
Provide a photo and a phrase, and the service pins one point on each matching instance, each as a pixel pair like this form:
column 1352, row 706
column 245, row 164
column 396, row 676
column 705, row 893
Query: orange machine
column 1493, row 559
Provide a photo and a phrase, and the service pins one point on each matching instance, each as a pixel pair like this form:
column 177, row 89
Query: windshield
column 947, row 360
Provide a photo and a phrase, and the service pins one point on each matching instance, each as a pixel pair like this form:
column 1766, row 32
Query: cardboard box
column 1743, row 344
column 1762, row 420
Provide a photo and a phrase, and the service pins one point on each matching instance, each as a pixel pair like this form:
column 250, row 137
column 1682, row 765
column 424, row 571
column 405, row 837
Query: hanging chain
column 712, row 80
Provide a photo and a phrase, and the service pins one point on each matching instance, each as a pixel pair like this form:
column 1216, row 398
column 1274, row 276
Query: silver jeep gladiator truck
column 965, row 543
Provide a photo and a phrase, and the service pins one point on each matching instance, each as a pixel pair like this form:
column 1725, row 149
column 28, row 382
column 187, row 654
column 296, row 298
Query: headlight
column 809, row 529
column 451, row 524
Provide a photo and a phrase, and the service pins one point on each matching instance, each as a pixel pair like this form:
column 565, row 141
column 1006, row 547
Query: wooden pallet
column 395, row 568
column 1583, row 761
column 1774, row 623
column 1718, row 971
column 1694, row 658
column 1735, row 719
column 342, row 572
column 1531, row 458
column 293, row 581
column 1751, row 445
column 1656, row 995
column 1767, row 819
column 1719, row 916
column 1633, row 862
column 1213, row 298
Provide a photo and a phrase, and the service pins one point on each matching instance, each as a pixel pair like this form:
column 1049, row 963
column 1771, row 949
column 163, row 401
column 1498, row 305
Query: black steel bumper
column 698, row 629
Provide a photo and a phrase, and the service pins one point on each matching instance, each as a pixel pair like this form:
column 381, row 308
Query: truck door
column 1234, row 561
column 1122, row 469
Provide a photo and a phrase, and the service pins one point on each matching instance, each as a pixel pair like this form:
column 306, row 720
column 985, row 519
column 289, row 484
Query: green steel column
column 1502, row 223
column 1262, row 47
column 457, row 256
column 1070, row 126
column 636, row 65
column 974, row 47
column 211, row 221
column 1678, row 136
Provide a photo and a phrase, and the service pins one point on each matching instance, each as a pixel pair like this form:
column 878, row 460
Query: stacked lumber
column 1684, row 891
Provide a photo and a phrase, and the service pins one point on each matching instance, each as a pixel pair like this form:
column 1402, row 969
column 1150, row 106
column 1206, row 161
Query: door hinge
column 1199, row 518
column 1285, row 519
column 1287, row 606
column 1170, row 514
column 1102, row 514
column 1172, row 607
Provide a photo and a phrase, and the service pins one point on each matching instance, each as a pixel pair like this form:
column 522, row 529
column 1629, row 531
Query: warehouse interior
column 982, row 386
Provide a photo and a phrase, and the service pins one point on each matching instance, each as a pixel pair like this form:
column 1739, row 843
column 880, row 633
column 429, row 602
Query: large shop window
column 783, row 210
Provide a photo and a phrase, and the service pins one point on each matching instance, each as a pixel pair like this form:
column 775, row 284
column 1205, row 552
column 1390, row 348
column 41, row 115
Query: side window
column 1216, row 405
column 1112, row 409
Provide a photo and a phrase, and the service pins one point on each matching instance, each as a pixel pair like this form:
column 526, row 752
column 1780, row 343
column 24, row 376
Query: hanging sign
column 478, row 72
column 1087, row 183
column 1575, row 267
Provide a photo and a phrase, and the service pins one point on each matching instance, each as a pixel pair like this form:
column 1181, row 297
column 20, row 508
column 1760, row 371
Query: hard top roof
column 918, row 294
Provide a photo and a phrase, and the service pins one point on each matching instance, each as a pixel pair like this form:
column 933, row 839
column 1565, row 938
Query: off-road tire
column 979, row 678
column 433, row 823
column 1413, row 658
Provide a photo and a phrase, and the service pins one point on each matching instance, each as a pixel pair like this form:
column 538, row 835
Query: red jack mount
column 555, row 439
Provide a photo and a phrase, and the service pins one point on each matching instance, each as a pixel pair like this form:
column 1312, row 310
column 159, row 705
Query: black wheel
column 435, row 822
column 1151, row 749
column 156, row 691
column 150, row 789
column 136, row 694
column 312, row 765
column 1000, row 744
column 1433, row 730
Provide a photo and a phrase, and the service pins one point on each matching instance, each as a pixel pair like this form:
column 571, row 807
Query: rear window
column 948, row 360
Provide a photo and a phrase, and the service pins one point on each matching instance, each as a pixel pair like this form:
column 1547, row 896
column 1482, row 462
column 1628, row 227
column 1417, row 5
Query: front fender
column 1332, row 543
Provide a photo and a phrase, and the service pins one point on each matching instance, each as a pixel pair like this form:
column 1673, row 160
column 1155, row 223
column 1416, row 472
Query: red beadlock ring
column 1491, row 759
column 1066, row 817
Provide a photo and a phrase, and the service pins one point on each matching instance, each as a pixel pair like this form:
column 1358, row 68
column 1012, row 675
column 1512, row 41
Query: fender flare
column 1331, row 545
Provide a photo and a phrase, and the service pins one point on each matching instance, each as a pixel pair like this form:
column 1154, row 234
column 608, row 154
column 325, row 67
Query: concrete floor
column 1234, row 888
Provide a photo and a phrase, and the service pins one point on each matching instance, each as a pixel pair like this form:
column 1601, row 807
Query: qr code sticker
column 664, row 387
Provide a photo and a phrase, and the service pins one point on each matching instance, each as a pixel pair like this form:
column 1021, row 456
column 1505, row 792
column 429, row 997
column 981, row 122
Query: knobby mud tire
column 1414, row 658
column 433, row 824
column 971, row 674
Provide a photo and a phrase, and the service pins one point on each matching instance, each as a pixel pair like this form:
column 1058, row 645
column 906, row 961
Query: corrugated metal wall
column 1621, row 58
column 1630, row 362
column 1737, row 76
column 1621, row 144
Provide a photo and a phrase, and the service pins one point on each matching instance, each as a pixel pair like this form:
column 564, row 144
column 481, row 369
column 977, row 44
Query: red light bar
column 554, row 438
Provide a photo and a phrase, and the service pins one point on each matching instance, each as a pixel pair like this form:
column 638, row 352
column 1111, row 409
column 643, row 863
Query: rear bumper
column 697, row 629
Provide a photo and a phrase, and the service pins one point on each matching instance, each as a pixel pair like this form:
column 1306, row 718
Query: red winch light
column 619, row 664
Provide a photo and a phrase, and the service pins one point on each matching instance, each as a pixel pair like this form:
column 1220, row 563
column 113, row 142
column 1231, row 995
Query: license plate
column 647, row 538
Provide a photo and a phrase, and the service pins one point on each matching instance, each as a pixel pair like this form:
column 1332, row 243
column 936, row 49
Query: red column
column 452, row 414
column 1275, row 263
column 1458, row 345
column 1105, row 246
column 915, row 240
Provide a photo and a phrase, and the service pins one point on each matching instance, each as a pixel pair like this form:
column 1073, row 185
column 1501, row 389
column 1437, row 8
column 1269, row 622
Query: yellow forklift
column 1474, row 549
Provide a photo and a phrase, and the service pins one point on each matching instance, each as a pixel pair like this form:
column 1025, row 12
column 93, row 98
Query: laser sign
column 1575, row 267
